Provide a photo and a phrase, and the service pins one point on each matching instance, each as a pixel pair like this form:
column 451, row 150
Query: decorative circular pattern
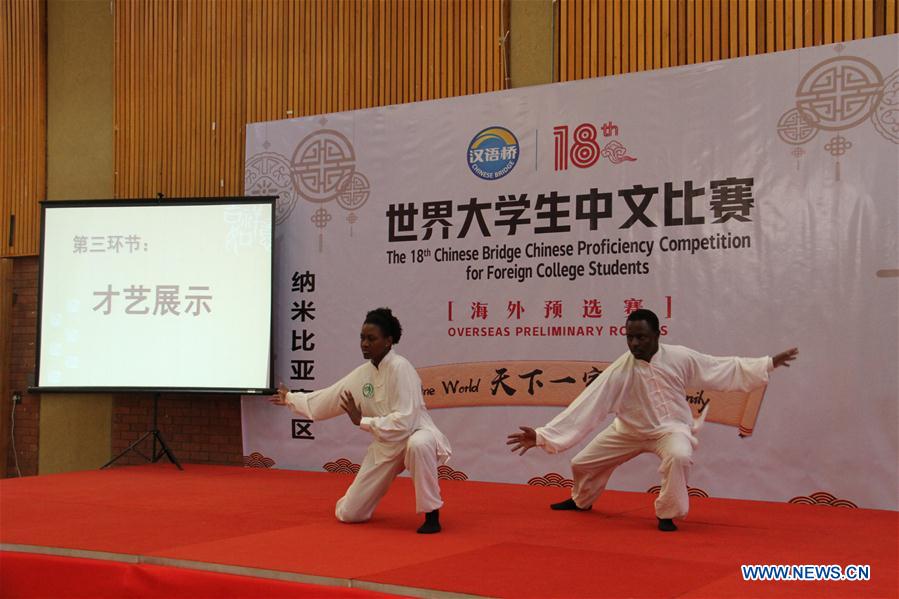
column 320, row 163
column 269, row 174
column 794, row 129
column 886, row 114
column 839, row 92
column 353, row 191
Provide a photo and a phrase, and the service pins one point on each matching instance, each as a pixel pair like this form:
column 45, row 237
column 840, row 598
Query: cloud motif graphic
column 257, row 460
column 447, row 473
column 822, row 498
column 691, row 491
column 551, row 479
column 342, row 466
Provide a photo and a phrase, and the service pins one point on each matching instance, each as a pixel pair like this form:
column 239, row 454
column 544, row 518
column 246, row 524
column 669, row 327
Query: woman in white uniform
column 383, row 397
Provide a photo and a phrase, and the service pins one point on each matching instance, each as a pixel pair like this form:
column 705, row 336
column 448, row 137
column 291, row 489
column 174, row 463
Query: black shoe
column 569, row 504
column 431, row 525
column 666, row 524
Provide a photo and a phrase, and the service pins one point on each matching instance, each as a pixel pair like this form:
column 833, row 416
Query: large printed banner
column 753, row 204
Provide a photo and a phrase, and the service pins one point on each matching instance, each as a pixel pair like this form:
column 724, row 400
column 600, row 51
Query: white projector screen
column 163, row 295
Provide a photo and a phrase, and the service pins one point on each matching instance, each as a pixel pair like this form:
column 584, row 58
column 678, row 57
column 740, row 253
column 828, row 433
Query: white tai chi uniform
column 652, row 414
column 405, row 437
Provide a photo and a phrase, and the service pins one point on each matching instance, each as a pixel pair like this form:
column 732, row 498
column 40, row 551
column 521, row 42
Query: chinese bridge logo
column 493, row 153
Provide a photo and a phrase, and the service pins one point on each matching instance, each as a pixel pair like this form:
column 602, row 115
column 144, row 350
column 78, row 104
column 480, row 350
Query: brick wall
column 201, row 429
column 21, row 367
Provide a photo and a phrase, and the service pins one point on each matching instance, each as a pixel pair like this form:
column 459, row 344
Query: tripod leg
column 166, row 450
column 130, row 448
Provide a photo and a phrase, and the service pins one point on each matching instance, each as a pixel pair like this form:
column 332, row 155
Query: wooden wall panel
column 191, row 73
column 636, row 35
column 23, row 124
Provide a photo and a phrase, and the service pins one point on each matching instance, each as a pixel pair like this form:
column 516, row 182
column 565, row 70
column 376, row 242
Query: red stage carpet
column 152, row 531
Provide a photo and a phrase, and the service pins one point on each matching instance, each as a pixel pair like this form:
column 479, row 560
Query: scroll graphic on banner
column 558, row 383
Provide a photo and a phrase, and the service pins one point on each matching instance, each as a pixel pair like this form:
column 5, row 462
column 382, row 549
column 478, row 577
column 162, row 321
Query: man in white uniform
column 646, row 389
column 390, row 406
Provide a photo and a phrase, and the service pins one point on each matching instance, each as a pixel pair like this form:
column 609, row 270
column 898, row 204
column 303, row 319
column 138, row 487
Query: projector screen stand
column 154, row 457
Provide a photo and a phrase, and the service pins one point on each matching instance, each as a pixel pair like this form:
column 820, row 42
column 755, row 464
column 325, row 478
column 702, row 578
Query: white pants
column 593, row 466
column 373, row 480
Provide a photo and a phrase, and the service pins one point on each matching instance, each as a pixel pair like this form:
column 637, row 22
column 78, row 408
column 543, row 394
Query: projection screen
column 157, row 295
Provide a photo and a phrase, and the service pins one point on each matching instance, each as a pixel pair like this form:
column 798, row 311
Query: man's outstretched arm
column 785, row 357
column 524, row 440
column 732, row 373
column 581, row 416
